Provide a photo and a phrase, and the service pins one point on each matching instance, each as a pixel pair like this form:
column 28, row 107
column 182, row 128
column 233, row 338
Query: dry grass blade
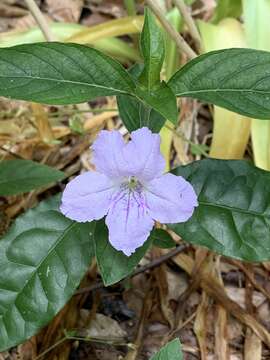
column 200, row 325
column 160, row 275
column 253, row 344
column 217, row 292
column 42, row 123
column 250, row 277
column 221, row 323
column 98, row 120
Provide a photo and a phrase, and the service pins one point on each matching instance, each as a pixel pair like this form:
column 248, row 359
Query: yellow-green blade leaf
column 231, row 130
column 256, row 16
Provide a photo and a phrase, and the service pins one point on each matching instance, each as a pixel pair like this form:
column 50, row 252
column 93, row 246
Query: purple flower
column 129, row 187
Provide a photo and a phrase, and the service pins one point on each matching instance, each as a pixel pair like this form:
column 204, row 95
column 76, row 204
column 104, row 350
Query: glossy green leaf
column 171, row 351
column 59, row 74
column 56, row 73
column 19, row 176
column 134, row 113
column 161, row 98
column 236, row 79
column 162, row 239
column 233, row 217
column 227, row 8
column 152, row 49
column 114, row 265
column 42, row 260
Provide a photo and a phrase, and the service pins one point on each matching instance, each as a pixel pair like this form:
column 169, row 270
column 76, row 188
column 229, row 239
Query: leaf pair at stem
column 59, row 74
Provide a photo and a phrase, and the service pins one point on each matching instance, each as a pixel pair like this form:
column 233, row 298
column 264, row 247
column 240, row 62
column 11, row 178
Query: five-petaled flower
column 129, row 188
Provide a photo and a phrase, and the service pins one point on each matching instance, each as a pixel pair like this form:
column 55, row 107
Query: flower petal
column 108, row 154
column 87, row 197
column 129, row 224
column 170, row 199
column 143, row 155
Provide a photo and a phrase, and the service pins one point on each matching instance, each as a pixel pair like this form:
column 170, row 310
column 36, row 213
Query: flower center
column 133, row 183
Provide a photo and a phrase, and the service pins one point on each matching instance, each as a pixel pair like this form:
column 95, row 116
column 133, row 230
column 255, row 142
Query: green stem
column 131, row 7
column 118, row 342
column 183, row 137
column 131, row 11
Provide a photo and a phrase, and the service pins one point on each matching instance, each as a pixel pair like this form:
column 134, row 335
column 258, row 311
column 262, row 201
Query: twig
column 40, row 19
column 40, row 356
column 18, row 156
column 180, row 4
column 118, row 342
column 153, row 264
column 181, row 43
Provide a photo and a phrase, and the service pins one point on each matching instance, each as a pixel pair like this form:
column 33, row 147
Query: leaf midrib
column 187, row 93
column 235, row 209
column 64, row 81
column 49, row 178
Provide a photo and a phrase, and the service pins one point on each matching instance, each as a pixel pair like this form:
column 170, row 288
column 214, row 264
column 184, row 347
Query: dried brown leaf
column 102, row 327
column 65, row 10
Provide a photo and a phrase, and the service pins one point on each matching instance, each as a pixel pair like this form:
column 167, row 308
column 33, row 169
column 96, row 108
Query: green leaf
column 227, row 8
column 236, row 79
column 42, row 260
column 162, row 239
column 171, row 351
column 114, row 265
column 161, row 98
column 19, row 176
column 198, row 149
column 256, row 24
column 58, row 74
column 134, row 113
column 152, row 49
column 233, row 217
